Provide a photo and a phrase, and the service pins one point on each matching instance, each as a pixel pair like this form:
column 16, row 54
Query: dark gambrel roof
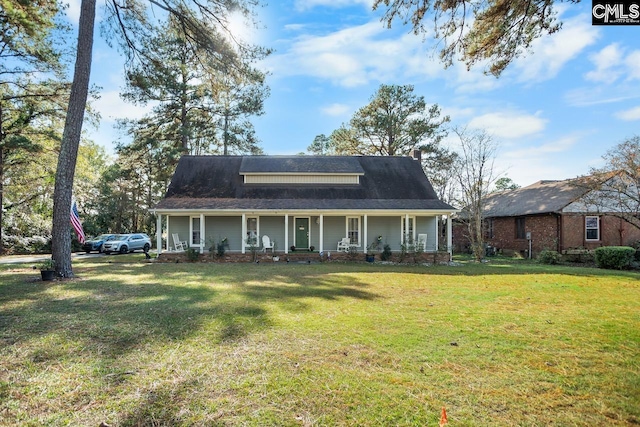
column 215, row 182
column 540, row 198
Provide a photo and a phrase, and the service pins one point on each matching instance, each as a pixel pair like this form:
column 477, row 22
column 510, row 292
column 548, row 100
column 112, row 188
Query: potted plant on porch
column 47, row 269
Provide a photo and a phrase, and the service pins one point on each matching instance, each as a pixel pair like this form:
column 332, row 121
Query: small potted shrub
column 47, row 269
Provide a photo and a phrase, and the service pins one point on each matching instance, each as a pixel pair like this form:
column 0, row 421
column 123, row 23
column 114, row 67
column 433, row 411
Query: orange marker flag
column 443, row 417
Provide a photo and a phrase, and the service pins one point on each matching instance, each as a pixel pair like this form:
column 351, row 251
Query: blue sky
column 553, row 113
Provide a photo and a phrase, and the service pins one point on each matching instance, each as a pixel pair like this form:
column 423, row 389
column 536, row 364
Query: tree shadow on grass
column 130, row 306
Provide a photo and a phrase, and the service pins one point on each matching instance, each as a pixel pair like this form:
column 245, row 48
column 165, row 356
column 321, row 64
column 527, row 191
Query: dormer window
column 301, row 170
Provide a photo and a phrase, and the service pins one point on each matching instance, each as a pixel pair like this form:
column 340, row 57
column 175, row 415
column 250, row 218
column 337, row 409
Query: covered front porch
column 243, row 231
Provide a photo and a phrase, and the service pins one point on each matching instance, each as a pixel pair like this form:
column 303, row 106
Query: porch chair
column 179, row 245
column 343, row 245
column 422, row 240
column 266, row 244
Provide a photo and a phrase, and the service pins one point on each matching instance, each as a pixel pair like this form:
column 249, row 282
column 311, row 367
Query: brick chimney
column 416, row 154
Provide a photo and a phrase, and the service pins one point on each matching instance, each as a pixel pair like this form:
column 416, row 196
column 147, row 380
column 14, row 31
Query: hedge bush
column 614, row 257
column 548, row 257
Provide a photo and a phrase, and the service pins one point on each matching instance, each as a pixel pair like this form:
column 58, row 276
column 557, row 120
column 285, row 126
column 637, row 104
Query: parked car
column 124, row 243
column 96, row 243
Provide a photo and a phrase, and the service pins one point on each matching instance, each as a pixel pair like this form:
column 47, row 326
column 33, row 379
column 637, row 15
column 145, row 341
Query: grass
column 133, row 343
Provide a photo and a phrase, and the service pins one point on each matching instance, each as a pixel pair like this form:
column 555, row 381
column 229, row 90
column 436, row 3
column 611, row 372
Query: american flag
column 75, row 221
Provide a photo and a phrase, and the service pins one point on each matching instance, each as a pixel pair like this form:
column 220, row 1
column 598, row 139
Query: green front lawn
column 133, row 343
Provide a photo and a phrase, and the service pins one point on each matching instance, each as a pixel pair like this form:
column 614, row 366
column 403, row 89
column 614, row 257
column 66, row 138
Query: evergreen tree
column 393, row 123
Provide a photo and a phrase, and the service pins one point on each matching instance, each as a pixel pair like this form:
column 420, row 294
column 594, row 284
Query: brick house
column 548, row 215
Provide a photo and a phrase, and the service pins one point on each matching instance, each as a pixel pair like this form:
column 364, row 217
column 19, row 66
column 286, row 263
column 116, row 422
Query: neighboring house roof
column 539, row 198
column 217, row 182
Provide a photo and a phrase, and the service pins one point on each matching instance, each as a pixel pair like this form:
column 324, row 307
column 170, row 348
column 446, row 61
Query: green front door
column 302, row 233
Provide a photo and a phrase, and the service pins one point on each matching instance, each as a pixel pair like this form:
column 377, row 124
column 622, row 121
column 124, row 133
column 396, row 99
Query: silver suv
column 124, row 243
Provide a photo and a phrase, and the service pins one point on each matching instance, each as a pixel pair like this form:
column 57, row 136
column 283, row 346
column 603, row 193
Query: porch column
column 366, row 232
column 286, row 233
column 449, row 238
column 321, row 233
column 202, row 236
column 168, row 247
column 406, row 236
column 159, row 233
column 437, row 234
column 244, row 231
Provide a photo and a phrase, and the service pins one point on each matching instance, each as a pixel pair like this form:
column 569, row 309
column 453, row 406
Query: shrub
column 292, row 248
column 548, row 257
column 636, row 246
column 386, row 253
column 221, row 249
column 614, row 257
column 192, row 255
column 352, row 253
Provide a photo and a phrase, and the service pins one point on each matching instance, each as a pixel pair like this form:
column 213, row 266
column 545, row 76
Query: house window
column 488, row 228
column 408, row 235
column 195, row 231
column 520, row 228
column 353, row 230
column 252, row 230
column 592, row 227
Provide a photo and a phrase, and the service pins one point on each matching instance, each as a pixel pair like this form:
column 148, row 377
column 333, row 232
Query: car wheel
column 88, row 252
column 124, row 249
column 146, row 248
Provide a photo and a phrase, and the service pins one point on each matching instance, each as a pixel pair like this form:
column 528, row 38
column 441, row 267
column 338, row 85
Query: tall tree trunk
column 1, row 177
column 61, row 237
column 1, row 185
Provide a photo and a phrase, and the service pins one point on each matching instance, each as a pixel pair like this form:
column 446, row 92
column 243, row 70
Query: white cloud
column 73, row 11
column 336, row 110
column 336, row 4
column 356, row 56
column 600, row 95
column 545, row 161
column 353, row 56
column 111, row 107
column 543, row 150
column 509, row 124
column 457, row 113
column 633, row 65
column 607, row 62
column 629, row 115
column 551, row 53
column 294, row 27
